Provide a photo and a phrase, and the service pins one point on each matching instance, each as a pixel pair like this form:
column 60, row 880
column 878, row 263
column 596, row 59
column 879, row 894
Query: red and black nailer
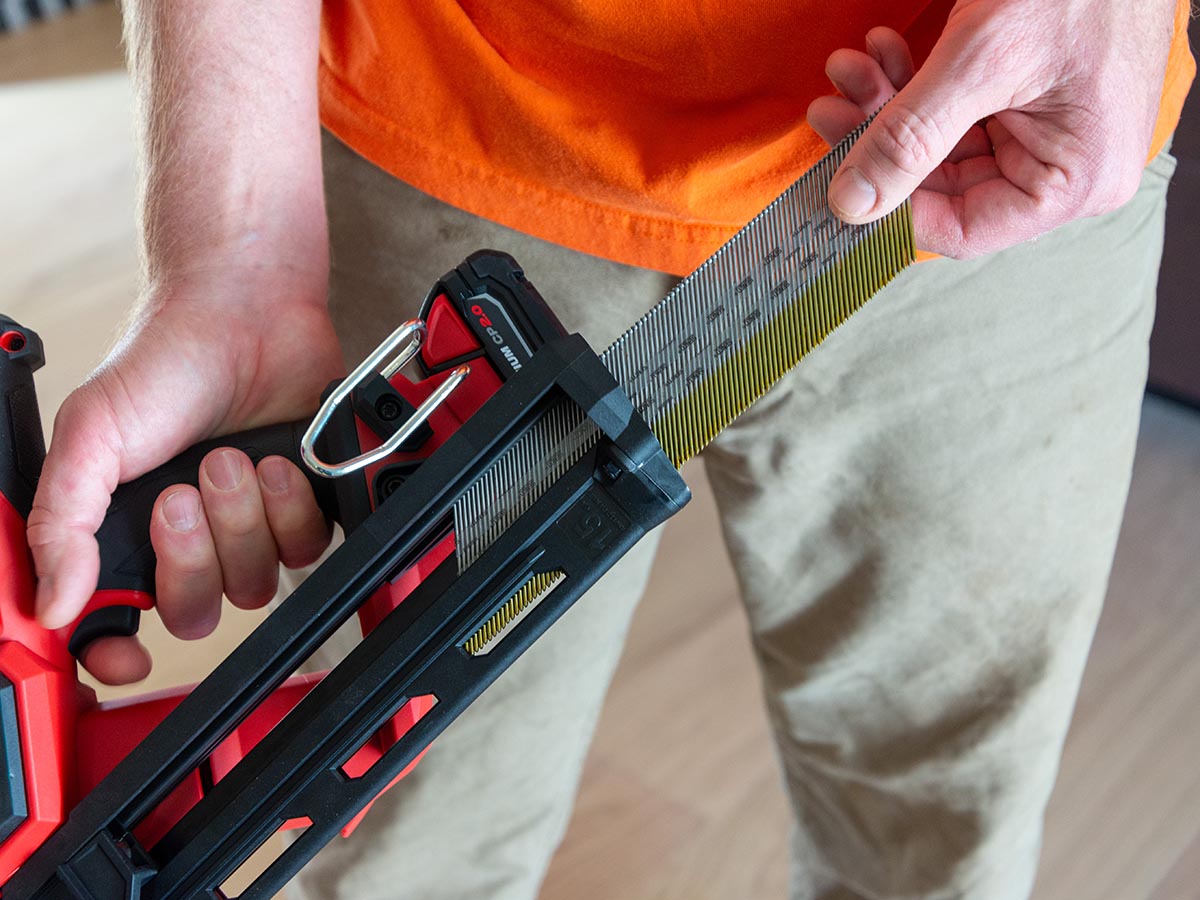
column 478, row 501
column 164, row 797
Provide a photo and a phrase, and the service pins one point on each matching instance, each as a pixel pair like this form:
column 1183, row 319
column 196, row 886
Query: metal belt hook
column 412, row 331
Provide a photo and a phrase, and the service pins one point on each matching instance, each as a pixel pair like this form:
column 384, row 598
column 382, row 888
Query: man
column 922, row 516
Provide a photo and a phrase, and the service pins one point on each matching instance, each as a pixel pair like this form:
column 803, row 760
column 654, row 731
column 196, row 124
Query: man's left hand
column 1027, row 115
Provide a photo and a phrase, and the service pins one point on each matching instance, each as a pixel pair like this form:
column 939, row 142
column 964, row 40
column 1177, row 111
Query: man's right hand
column 234, row 331
column 203, row 361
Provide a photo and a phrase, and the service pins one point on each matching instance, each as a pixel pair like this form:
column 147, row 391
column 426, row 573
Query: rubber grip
column 127, row 560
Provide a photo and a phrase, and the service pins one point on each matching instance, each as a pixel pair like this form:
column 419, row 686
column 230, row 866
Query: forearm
column 229, row 141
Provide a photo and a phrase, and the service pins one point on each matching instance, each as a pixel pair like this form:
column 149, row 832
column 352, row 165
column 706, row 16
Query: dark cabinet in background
column 1175, row 344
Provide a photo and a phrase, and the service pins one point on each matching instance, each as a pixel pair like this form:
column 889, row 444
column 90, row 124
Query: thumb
column 81, row 471
column 910, row 137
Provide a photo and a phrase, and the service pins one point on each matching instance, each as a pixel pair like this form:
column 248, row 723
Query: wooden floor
column 681, row 798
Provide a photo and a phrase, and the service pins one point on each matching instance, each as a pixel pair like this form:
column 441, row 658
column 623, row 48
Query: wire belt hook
column 410, row 334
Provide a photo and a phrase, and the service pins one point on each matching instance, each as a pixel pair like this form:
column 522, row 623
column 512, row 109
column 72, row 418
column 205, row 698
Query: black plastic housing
column 22, row 444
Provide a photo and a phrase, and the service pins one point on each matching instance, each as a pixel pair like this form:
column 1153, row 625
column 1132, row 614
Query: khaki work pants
column 922, row 517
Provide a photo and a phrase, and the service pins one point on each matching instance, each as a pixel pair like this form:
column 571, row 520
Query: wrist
column 268, row 241
column 240, row 285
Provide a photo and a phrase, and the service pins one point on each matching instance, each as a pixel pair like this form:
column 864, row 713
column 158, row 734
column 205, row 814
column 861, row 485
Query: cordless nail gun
column 478, row 500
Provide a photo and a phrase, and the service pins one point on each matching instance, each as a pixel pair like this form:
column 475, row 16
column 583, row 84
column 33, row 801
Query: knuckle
column 907, row 140
column 76, row 409
column 189, row 569
column 1104, row 169
column 90, row 417
column 193, row 619
column 966, row 243
column 1059, row 194
column 253, row 592
column 297, row 522
column 302, row 552
column 1101, row 190
column 292, row 504
column 237, row 526
column 237, row 516
column 298, row 558
column 1062, row 200
column 40, row 530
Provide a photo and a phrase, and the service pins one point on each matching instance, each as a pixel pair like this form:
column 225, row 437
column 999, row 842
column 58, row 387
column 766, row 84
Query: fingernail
column 182, row 510
column 224, row 470
column 851, row 194
column 274, row 474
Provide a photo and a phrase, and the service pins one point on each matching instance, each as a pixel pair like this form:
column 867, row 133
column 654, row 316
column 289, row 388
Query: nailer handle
column 127, row 560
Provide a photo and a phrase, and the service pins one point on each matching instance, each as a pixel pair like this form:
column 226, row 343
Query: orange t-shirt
column 644, row 131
